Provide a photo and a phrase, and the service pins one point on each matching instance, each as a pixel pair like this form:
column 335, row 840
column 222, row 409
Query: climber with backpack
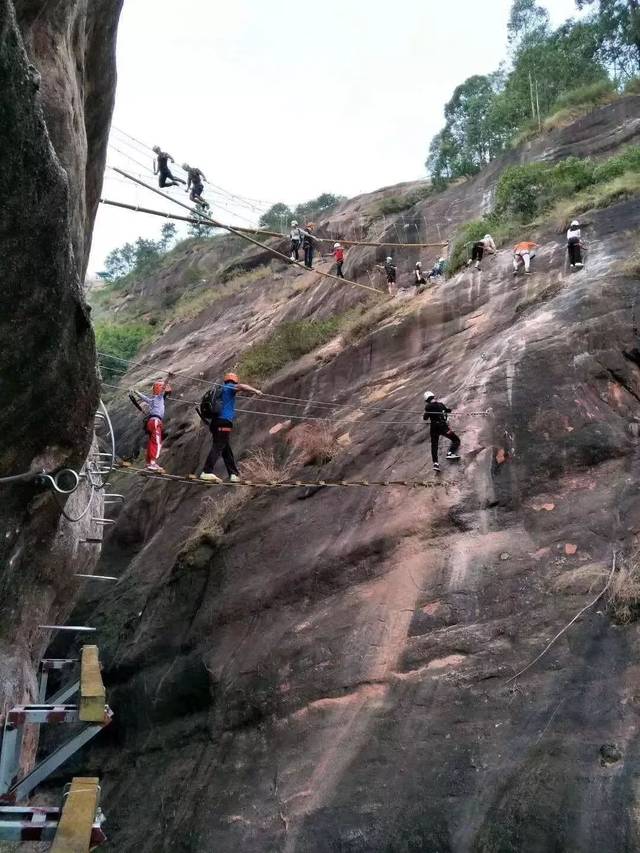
column 438, row 413
column 161, row 168
column 574, row 245
column 153, row 409
column 218, row 409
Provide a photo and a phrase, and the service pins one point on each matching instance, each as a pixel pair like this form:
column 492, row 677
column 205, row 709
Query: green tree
column 618, row 23
column 167, row 236
column 277, row 218
column 528, row 23
column 314, row 208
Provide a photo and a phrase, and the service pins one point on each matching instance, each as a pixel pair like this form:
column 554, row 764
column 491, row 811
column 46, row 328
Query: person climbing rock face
column 220, row 420
column 418, row 276
column 437, row 413
column 523, row 254
column 391, row 271
column 479, row 248
column 437, row 270
column 154, row 421
column 338, row 254
column 295, row 235
column 161, row 168
column 308, row 244
column 195, row 183
column 574, row 245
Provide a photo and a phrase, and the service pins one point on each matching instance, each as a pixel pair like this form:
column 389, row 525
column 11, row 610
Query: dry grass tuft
column 630, row 267
column 216, row 510
column 624, row 593
column 315, row 443
column 580, row 581
column 262, row 466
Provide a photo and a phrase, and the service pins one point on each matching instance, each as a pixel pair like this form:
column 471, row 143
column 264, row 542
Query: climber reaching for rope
column 438, row 413
column 195, row 184
column 161, row 168
column 218, row 410
column 153, row 409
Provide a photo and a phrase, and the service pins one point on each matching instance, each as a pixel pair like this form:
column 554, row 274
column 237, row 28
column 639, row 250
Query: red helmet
column 231, row 377
column 158, row 387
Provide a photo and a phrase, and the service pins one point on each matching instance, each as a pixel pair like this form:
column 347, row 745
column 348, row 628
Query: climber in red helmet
column 154, row 410
column 218, row 410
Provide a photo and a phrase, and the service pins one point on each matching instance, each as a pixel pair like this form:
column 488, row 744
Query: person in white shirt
column 574, row 245
column 479, row 248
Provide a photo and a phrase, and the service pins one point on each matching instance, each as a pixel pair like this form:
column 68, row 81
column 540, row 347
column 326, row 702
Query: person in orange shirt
column 523, row 253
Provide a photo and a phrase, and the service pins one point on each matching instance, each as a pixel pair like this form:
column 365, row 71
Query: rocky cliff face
column 58, row 74
column 329, row 669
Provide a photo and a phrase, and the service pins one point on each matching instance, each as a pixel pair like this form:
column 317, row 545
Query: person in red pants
column 155, row 404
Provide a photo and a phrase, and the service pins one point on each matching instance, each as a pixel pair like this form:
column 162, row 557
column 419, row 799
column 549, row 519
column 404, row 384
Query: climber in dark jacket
column 308, row 244
column 437, row 413
column 161, row 168
column 195, row 183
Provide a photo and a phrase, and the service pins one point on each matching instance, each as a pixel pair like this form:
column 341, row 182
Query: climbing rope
column 286, row 416
column 281, row 398
column 285, row 484
column 136, row 208
column 232, row 230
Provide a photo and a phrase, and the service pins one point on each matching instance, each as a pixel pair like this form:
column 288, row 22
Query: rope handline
column 569, row 624
column 301, row 402
column 138, row 209
column 232, row 230
column 285, row 484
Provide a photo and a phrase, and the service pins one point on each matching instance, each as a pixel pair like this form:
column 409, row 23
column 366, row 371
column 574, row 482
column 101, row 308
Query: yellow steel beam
column 78, row 814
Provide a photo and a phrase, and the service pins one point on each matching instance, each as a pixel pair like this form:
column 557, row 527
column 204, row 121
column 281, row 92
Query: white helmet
column 294, row 222
column 440, row 260
column 418, row 263
column 428, row 395
column 487, row 237
column 575, row 224
column 389, row 259
column 336, row 245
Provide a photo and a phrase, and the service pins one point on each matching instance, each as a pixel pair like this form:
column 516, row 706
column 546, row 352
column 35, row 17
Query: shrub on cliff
column 122, row 340
column 289, row 341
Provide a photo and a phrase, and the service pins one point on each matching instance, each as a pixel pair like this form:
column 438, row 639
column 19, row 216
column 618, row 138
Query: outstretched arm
column 242, row 387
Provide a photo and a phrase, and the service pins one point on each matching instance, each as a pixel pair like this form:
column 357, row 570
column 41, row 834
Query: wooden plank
column 78, row 814
column 92, row 692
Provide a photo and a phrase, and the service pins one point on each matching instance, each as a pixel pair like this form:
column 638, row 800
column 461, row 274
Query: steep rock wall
column 55, row 108
column 331, row 673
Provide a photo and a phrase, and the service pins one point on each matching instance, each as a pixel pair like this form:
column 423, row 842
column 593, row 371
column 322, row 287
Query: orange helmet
column 231, row 377
column 158, row 387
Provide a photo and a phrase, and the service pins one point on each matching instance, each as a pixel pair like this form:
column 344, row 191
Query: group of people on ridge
column 420, row 280
column 195, row 177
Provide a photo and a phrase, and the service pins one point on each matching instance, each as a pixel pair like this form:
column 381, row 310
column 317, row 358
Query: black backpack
column 211, row 404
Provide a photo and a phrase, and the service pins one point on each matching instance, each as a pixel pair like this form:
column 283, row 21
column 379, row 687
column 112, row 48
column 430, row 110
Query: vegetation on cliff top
column 552, row 77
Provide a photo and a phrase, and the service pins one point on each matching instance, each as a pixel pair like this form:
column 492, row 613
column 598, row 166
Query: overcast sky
column 282, row 100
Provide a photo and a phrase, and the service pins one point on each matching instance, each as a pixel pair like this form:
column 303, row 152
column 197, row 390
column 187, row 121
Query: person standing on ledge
column 438, row 414
column 219, row 413
column 161, row 168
